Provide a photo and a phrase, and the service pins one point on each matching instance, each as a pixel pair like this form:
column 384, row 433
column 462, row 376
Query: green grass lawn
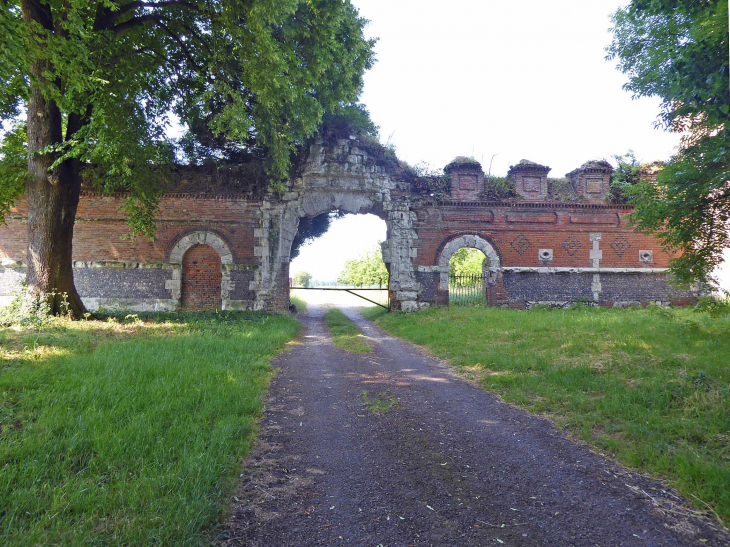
column 345, row 334
column 129, row 432
column 650, row 387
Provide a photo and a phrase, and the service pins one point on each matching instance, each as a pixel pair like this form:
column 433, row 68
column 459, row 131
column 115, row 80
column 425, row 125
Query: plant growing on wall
column 624, row 177
column 98, row 81
column 678, row 51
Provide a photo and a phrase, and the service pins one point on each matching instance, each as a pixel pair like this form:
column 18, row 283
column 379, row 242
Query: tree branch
column 139, row 4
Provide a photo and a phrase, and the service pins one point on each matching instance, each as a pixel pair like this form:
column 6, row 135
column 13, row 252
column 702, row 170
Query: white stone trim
column 471, row 241
column 544, row 269
column 201, row 237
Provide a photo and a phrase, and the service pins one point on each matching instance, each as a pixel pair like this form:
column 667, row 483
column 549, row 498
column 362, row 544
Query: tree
column 303, row 279
column 466, row 261
column 98, row 81
column 310, row 229
column 369, row 269
column 678, row 50
column 626, row 175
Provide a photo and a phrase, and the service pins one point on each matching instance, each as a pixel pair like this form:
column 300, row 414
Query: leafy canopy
column 249, row 79
column 678, row 50
column 369, row 269
column 303, row 279
column 467, row 261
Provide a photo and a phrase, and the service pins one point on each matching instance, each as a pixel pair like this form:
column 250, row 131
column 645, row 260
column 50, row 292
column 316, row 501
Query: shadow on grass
column 129, row 431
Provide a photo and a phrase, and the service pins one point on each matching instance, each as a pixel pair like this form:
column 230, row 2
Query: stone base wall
column 126, row 286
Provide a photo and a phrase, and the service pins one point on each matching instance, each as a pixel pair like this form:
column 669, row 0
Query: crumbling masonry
column 229, row 244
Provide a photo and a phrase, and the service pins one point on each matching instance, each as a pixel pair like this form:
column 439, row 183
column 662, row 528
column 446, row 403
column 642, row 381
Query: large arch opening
column 338, row 250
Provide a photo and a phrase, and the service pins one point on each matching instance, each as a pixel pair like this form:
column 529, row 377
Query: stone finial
column 467, row 178
column 530, row 180
column 592, row 180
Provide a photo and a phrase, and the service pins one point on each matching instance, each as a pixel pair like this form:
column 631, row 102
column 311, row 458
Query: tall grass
column 128, row 434
column 651, row 387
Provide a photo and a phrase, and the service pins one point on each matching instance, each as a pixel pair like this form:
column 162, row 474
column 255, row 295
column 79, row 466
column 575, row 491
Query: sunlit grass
column 651, row 387
column 345, row 334
column 128, row 432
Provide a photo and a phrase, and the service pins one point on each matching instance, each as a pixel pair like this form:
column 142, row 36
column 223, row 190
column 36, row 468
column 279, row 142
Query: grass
column 299, row 303
column 380, row 404
column 345, row 334
column 129, row 432
column 650, row 387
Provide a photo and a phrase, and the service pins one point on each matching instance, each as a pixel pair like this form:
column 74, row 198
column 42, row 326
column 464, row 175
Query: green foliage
column 299, row 302
column 303, row 279
column 13, row 166
column 249, row 80
column 23, row 312
column 345, row 334
column 678, row 51
column 499, row 188
column 689, row 207
column 624, row 177
column 369, row 269
column 349, row 120
column 648, row 386
column 466, row 261
column 129, row 431
column 434, row 183
column 312, row 228
column 380, row 404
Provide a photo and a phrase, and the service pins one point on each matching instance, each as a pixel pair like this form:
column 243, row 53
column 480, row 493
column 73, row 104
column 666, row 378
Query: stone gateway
column 224, row 244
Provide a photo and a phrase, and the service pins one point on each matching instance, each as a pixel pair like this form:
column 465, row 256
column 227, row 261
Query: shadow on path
column 427, row 459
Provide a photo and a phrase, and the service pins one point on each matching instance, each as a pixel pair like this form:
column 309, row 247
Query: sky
column 497, row 80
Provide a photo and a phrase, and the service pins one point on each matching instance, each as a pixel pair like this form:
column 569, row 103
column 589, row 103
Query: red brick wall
column 519, row 233
column 201, row 279
column 101, row 233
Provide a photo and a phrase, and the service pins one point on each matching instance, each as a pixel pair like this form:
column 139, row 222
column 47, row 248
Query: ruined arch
column 180, row 245
column 468, row 240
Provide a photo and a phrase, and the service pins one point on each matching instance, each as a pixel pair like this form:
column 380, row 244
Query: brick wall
column 519, row 231
column 201, row 279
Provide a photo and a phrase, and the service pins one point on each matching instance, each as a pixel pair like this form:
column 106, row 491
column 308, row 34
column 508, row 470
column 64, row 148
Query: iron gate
column 468, row 290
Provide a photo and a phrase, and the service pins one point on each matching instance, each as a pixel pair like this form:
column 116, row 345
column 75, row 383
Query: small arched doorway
column 201, row 279
column 468, row 276
column 490, row 267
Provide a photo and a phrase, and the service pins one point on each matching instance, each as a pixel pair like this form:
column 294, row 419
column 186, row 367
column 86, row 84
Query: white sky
column 519, row 78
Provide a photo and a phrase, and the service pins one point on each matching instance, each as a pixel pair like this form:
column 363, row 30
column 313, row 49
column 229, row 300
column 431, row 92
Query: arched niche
column 185, row 241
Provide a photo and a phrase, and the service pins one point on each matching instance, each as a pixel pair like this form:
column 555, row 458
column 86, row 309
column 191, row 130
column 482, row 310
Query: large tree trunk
column 52, row 193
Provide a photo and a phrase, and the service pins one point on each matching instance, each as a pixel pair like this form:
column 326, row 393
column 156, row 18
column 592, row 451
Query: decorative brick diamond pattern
column 620, row 245
column 572, row 245
column 521, row 244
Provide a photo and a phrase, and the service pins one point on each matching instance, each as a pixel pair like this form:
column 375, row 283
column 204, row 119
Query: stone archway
column 202, row 239
column 471, row 241
column 336, row 178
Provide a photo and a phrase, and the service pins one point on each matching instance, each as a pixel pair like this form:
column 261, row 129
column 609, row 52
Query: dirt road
column 427, row 459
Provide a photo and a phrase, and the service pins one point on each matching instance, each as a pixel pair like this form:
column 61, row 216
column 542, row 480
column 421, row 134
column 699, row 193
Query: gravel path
column 443, row 463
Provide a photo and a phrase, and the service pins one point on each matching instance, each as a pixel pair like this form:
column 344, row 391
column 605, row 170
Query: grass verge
column 650, row 387
column 345, row 334
column 299, row 303
column 129, row 432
